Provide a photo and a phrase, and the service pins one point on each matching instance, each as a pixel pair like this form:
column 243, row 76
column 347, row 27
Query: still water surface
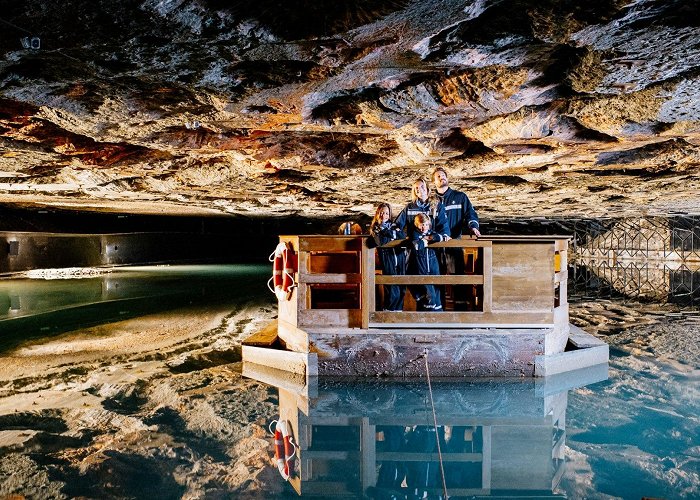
column 37, row 308
column 628, row 432
column 631, row 434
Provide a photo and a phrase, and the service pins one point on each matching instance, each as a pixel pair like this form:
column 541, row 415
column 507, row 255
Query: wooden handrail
column 454, row 243
column 417, row 319
column 433, row 279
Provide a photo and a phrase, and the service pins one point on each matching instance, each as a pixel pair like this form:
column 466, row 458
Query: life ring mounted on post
column 285, row 450
column 284, row 265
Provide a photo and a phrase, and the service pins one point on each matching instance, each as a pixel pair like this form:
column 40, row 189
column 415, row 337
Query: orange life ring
column 284, row 264
column 284, row 449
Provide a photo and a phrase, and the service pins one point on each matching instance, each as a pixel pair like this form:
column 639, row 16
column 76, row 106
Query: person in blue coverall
column 426, row 261
column 460, row 216
column 393, row 259
column 421, row 204
column 458, row 209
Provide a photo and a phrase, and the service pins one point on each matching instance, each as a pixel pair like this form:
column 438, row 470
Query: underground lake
column 127, row 383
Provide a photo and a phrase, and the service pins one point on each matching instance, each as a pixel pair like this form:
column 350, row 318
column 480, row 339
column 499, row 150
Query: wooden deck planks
column 265, row 337
column 523, row 277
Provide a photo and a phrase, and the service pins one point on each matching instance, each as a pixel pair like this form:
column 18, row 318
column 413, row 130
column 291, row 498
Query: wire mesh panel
column 644, row 238
column 651, row 258
column 640, row 258
column 635, row 280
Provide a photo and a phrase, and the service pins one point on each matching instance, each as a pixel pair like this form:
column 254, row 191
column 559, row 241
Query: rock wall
column 327, row 108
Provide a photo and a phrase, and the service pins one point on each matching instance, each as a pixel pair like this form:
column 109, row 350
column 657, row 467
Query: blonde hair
column 377, row 220
column 420, row 219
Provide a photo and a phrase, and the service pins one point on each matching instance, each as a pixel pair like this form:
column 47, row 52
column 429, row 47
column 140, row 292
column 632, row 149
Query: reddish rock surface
column 323, row 108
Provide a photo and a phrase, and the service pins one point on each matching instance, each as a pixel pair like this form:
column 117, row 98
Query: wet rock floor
column 157, row 407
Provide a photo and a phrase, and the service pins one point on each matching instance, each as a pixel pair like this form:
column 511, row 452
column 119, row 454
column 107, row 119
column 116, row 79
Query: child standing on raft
column 393, row 259
column 425, row 260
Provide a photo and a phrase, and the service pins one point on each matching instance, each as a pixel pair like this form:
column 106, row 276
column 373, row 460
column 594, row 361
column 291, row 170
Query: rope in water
column 15, row 26
column 437, row 437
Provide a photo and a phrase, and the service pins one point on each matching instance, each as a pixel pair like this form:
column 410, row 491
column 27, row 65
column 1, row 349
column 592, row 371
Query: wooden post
column 486, row 458
column 487, row 270
column 368, row 443
column 367, row 287
column 303, row 299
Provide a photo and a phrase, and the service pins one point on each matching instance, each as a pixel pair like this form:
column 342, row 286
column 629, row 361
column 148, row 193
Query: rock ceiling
column 535, row 107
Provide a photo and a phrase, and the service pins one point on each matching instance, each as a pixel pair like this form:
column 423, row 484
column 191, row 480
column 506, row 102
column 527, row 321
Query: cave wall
column 320, row 109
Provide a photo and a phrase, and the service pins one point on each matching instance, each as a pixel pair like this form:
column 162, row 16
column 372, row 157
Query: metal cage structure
column 653, row 258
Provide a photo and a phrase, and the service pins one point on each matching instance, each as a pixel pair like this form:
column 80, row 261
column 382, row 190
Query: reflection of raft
column 507, row 315
column 374, row 438
column 284, row 449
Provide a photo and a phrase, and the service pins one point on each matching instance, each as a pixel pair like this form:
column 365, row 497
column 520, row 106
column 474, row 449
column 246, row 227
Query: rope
column 437, row 437
column 393, row 372
column 15, row 26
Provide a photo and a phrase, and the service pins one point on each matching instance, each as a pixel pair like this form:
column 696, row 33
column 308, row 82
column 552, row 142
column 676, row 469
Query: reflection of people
column 426, row 261
column 420, row 477
column 391, row 473
column 423, row 476
column 461, row 439
column 393, row 259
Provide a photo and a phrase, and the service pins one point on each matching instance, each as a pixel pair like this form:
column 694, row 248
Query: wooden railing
column 517, row 281
column 373, row 318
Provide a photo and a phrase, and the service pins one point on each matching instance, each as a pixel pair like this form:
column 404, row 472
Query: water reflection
column 32, row 308
column 377, row 438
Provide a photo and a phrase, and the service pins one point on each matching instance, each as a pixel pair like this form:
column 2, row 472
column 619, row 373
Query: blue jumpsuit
column 426, row 263
column 438, row 220
column 459, row 210
column 393, row 262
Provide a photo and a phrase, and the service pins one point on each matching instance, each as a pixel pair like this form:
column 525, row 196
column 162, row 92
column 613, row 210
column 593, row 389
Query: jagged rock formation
column 327, row 107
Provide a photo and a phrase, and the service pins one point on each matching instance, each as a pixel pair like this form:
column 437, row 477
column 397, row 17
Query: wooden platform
column 478, row 352
column 505, row 314
column 401, row 352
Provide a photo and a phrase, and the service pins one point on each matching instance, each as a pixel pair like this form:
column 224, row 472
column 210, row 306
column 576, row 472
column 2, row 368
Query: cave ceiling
column 325, row 108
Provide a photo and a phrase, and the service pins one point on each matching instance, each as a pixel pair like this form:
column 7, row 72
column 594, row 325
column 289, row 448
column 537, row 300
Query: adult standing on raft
column 460, row 214
column 458, row 208
column 422, row 204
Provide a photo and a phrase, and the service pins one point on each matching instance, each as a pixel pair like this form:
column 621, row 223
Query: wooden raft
column 507, row 308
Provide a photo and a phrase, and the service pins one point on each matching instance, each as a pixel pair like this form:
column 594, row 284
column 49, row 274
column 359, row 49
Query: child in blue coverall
column 393, row 259
column 426, row 261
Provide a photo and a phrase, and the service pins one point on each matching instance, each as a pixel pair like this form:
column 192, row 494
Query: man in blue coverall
column 458, row 208
column 460, row 214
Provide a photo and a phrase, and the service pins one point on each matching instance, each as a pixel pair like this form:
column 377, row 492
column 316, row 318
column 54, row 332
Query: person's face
column 440, row 179
column 384, row 214
column 424, row 226
column 420, row 190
